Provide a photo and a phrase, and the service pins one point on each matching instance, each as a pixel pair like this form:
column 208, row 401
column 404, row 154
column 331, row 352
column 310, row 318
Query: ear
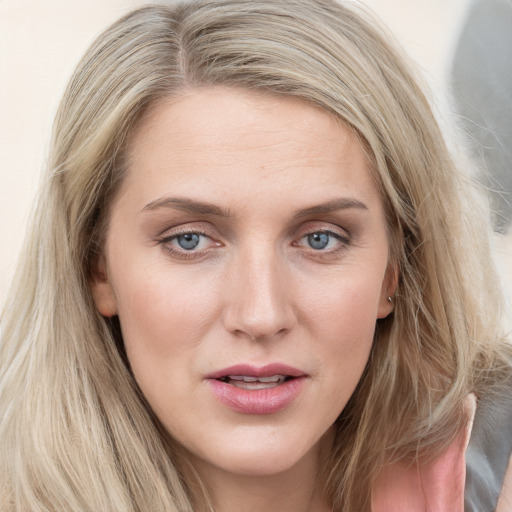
column 387, row 293
column 102, row 291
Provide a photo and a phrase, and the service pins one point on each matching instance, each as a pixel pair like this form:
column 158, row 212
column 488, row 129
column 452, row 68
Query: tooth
column 274, row 378
column 254, row 385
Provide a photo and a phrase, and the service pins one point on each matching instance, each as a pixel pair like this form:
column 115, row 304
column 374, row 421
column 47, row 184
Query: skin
column 254, row 290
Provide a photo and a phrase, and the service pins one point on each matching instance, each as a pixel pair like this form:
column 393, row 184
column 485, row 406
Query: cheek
column 346, row 303
column 343, row 318
column 163, row 325
column 163, row 319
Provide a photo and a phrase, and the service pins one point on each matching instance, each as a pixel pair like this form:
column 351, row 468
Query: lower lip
column 257, row 401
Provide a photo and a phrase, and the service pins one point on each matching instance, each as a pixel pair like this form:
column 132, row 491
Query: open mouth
column 256, row 390
column 248, row 382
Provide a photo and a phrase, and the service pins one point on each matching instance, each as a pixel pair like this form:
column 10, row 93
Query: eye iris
column 188, row 241
column 318, row 240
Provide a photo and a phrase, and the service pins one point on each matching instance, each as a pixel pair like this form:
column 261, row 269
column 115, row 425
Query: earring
column 390, row 300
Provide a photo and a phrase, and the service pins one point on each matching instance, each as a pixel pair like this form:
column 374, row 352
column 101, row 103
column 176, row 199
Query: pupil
column 318, row 240
column 188, row 241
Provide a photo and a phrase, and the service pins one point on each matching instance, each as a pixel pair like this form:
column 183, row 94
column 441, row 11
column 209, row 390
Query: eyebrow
column 204, row 208
column 343, row 203
column 188, row 206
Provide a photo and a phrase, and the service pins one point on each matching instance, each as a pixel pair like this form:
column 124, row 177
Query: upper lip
column 248, row 370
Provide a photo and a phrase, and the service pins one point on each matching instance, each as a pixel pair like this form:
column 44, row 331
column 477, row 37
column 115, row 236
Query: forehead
column 225, row 118
column 249, row 139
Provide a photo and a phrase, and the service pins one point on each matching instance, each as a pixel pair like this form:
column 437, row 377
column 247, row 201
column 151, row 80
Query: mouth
column 253, row 383
column 252, row 390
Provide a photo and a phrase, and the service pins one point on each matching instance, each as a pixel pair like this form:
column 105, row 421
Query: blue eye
column 326, row 242
column 318, row 240
column 188, row 241
column 189, row 244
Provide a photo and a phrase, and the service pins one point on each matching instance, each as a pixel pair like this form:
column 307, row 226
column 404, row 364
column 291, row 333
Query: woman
column 252, row 280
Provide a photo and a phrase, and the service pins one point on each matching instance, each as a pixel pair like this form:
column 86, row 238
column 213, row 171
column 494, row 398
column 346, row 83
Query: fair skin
column 248, row 232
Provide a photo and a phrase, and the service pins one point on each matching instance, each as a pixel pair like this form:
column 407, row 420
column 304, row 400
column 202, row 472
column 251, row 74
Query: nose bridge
column 260, row 304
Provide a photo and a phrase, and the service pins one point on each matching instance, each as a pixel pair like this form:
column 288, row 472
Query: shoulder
column 505, row 499
column 488, row 481
column 474, row 474
column 437, row 485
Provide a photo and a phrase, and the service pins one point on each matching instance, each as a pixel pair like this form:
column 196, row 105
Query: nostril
column 259, row 313
column 260, row 335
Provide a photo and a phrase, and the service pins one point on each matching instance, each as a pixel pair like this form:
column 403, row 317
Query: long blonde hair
column 76, row 433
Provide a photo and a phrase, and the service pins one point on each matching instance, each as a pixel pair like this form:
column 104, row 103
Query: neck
column 298, row 489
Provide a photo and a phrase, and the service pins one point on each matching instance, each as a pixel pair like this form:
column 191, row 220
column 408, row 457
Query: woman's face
column 247, row 259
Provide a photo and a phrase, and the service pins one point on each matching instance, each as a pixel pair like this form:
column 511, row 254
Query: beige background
column 42, row 40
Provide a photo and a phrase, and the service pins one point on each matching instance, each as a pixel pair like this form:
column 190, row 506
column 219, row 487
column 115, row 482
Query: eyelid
column 323, row 227
column 169, row 235
column 341, row 235
column 181, row 227
column 335, row 234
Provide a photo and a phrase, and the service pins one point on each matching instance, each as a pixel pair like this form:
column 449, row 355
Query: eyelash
column 344, row 242
column 183, row 254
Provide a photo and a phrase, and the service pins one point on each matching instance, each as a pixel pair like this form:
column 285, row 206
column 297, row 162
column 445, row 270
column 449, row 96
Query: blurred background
column 463, row 49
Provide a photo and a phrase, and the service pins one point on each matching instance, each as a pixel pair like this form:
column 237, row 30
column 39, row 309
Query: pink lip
column 253, row 371
column 257, row 401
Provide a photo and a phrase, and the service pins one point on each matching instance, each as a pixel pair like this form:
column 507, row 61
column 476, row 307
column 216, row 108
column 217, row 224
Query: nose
column 259, row 297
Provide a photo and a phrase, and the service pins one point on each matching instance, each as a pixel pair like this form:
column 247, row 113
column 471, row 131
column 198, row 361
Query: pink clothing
column 437, row 486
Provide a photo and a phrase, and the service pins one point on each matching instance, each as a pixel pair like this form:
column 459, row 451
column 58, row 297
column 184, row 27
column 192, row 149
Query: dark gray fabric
column 482, row 90
column 488, row 452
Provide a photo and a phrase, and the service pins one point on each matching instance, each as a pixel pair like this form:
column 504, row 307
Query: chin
column 267, row 454
column 260, row 465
